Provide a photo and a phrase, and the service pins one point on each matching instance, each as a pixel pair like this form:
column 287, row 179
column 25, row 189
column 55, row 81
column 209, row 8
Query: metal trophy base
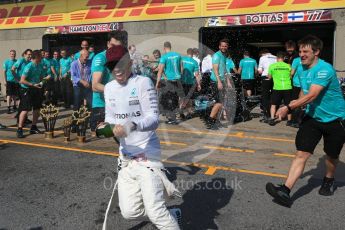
column 81, row 139
column 49, row 135
column 67, row 139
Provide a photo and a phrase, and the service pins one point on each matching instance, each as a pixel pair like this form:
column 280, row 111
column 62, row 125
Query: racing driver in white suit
column 131, row 105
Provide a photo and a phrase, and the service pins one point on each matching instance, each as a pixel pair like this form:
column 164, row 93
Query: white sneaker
column 177, row 214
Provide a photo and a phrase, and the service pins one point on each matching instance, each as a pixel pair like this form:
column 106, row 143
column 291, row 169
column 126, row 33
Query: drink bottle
column 105, row 130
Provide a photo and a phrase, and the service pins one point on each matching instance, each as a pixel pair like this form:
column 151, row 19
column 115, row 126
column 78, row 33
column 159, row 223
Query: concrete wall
column 148, row 36
column 339, row 17
column 18, row 40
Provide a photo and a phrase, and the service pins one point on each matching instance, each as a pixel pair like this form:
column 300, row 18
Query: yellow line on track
column 173, row 143
column 226, row 169
column 62, row 148
column 237, row 135
column 229, row 149
column 209, row 168
column 284, row 155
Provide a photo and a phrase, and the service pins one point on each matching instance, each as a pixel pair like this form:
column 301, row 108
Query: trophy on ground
column 67, row 124
column 49, row 115
column 81, row 119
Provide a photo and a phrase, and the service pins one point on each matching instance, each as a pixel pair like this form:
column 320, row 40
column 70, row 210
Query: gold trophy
column 81, row 119
column 49, row 115
column 67, row 124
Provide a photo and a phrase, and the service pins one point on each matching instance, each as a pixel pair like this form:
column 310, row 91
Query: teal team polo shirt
column 33, row 73
column 219, row 59
column 296, row 63
column 65, row 65
column 56, row 65
column 46, row 66
column 20, row 65
column 190, row 67
column 330, row 103
column 230, row 65
column 7, row 68
column 98, row 65
column 172, row 65
column 248, row 66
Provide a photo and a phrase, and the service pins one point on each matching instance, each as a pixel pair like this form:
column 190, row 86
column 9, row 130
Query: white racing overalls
column 141, row 178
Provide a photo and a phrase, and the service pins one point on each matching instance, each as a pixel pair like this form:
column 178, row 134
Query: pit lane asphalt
column 47, row 184
column 46, row 188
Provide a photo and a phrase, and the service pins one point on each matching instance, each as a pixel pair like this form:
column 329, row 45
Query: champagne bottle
column 105, row 130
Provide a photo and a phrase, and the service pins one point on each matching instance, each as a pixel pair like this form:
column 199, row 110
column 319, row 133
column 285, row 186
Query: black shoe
column 327, row 187
column 14, row 108
column 295, row 125
column 279, row 193
column 2, row 126
column 272, row 122
column 289, row 123
column 182, row 117
column 9, row 110
column 20, row 133
column 189, row 116
column 264, row 120
column 35, row 130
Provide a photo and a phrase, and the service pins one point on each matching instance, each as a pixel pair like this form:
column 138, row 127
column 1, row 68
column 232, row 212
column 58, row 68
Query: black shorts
column 215, row 94
column 311, row 131
column 279, row 95
column 12, row 89
column 295, row 92
column 189, row 91
column 30, row 98
column 248, row 84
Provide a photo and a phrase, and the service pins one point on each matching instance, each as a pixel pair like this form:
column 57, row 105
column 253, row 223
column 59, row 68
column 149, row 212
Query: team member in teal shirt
column 101, row 76
column 190, row 82
column 18, row 67
column 31, row 95
column 171, row 65
column 10, row 81
column 55, row 65
column 325, row 117
column 297, row 113
column 65, row 79
column 218, row 84
column 91, row 52
column 17, row 70
column 49, row 86
column 230, row 66
column 55, row 73
column 248, row 68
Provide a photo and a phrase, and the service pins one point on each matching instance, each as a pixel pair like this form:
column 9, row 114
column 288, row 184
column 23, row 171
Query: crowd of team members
column 79, row 79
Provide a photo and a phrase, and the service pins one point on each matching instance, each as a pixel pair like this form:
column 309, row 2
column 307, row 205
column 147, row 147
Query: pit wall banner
column 272, row 18
column 78, row 12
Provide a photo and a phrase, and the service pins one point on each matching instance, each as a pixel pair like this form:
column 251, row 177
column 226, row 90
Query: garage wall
column 147, row 36
column 339, row 17
column 18, row 40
